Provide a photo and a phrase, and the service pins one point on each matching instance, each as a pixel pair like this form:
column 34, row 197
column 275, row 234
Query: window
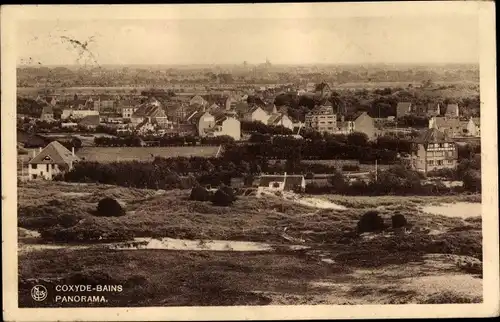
column 53, row 166
column 47, row 166
column 34, row 166
column 440, row 162
column 430, row 162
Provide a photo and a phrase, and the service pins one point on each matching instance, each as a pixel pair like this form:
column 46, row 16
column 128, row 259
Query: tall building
column 322, row 119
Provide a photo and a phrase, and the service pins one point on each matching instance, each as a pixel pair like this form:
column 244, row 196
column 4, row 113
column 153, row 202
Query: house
column 90, row 121
column 280, row 120
column 151, row 110
column 403, row 108
column 322, row 90
column 452, row 127
column 256, row 114
column 47, row 114
column 322, row 119
column 434, row 150
column 452, row 111
column 197, row 99
column 202, row 120
column 104, row 103
column 363, row 123
column 433, row 110
column 225, row 125
column 474, row 126
column 51, row 160
column 282, row 182
column 77, row 114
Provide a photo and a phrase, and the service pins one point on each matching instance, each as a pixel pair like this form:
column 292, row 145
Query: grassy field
column 418, row 267
column 111, row 154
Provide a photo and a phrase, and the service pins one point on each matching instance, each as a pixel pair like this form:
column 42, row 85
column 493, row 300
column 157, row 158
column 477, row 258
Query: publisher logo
column 39, row 293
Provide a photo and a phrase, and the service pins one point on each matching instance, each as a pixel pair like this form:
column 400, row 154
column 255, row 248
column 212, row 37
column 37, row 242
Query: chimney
column 73, row 151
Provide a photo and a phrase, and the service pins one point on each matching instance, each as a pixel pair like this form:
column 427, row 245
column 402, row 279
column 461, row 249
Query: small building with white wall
column 50, row 161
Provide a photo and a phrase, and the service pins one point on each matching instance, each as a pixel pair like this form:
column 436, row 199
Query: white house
column 258, row 114
column 50, row 161
column 225, row 125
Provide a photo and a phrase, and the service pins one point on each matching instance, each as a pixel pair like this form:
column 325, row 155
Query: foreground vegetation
column 399, row 264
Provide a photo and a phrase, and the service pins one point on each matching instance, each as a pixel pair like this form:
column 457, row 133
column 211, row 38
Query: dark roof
column 54, row 153
column 291, row 181
column 433, row 136
column 151, row 108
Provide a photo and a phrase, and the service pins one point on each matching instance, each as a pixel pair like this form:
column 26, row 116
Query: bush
column 200, row 194
column 371, row 222
column 222, row 199
column 109, row 207
column 399, row 221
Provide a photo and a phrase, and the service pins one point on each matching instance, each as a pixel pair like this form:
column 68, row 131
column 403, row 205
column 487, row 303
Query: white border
column 490, row 307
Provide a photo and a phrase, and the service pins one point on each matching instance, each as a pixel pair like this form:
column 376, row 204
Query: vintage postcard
column 249, row 161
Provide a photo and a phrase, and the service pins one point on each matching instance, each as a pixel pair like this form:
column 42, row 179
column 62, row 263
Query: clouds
column 339, row 40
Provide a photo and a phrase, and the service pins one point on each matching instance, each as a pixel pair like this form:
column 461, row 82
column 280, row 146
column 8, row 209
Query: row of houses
column 429, row 110
column 432, row 151
column 324, row 119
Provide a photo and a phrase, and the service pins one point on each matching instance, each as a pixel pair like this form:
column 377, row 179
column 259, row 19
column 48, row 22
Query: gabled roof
column 354, row 117
column 90, row 120
column 54, row 153
column 433, row 136
column 291, row 181
column 151, row 108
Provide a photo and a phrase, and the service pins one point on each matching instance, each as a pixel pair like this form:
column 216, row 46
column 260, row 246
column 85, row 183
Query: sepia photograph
column 249, row 156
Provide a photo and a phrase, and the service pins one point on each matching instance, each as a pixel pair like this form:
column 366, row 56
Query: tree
column 357, row 139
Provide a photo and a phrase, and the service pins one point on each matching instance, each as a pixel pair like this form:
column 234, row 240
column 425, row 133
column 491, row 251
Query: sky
column 342, row 40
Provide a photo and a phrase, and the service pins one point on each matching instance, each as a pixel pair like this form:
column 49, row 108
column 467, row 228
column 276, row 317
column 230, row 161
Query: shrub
column 200, row 194
column 222, row 199
column 399, row 221
column 109, row 207
column 371, row 222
